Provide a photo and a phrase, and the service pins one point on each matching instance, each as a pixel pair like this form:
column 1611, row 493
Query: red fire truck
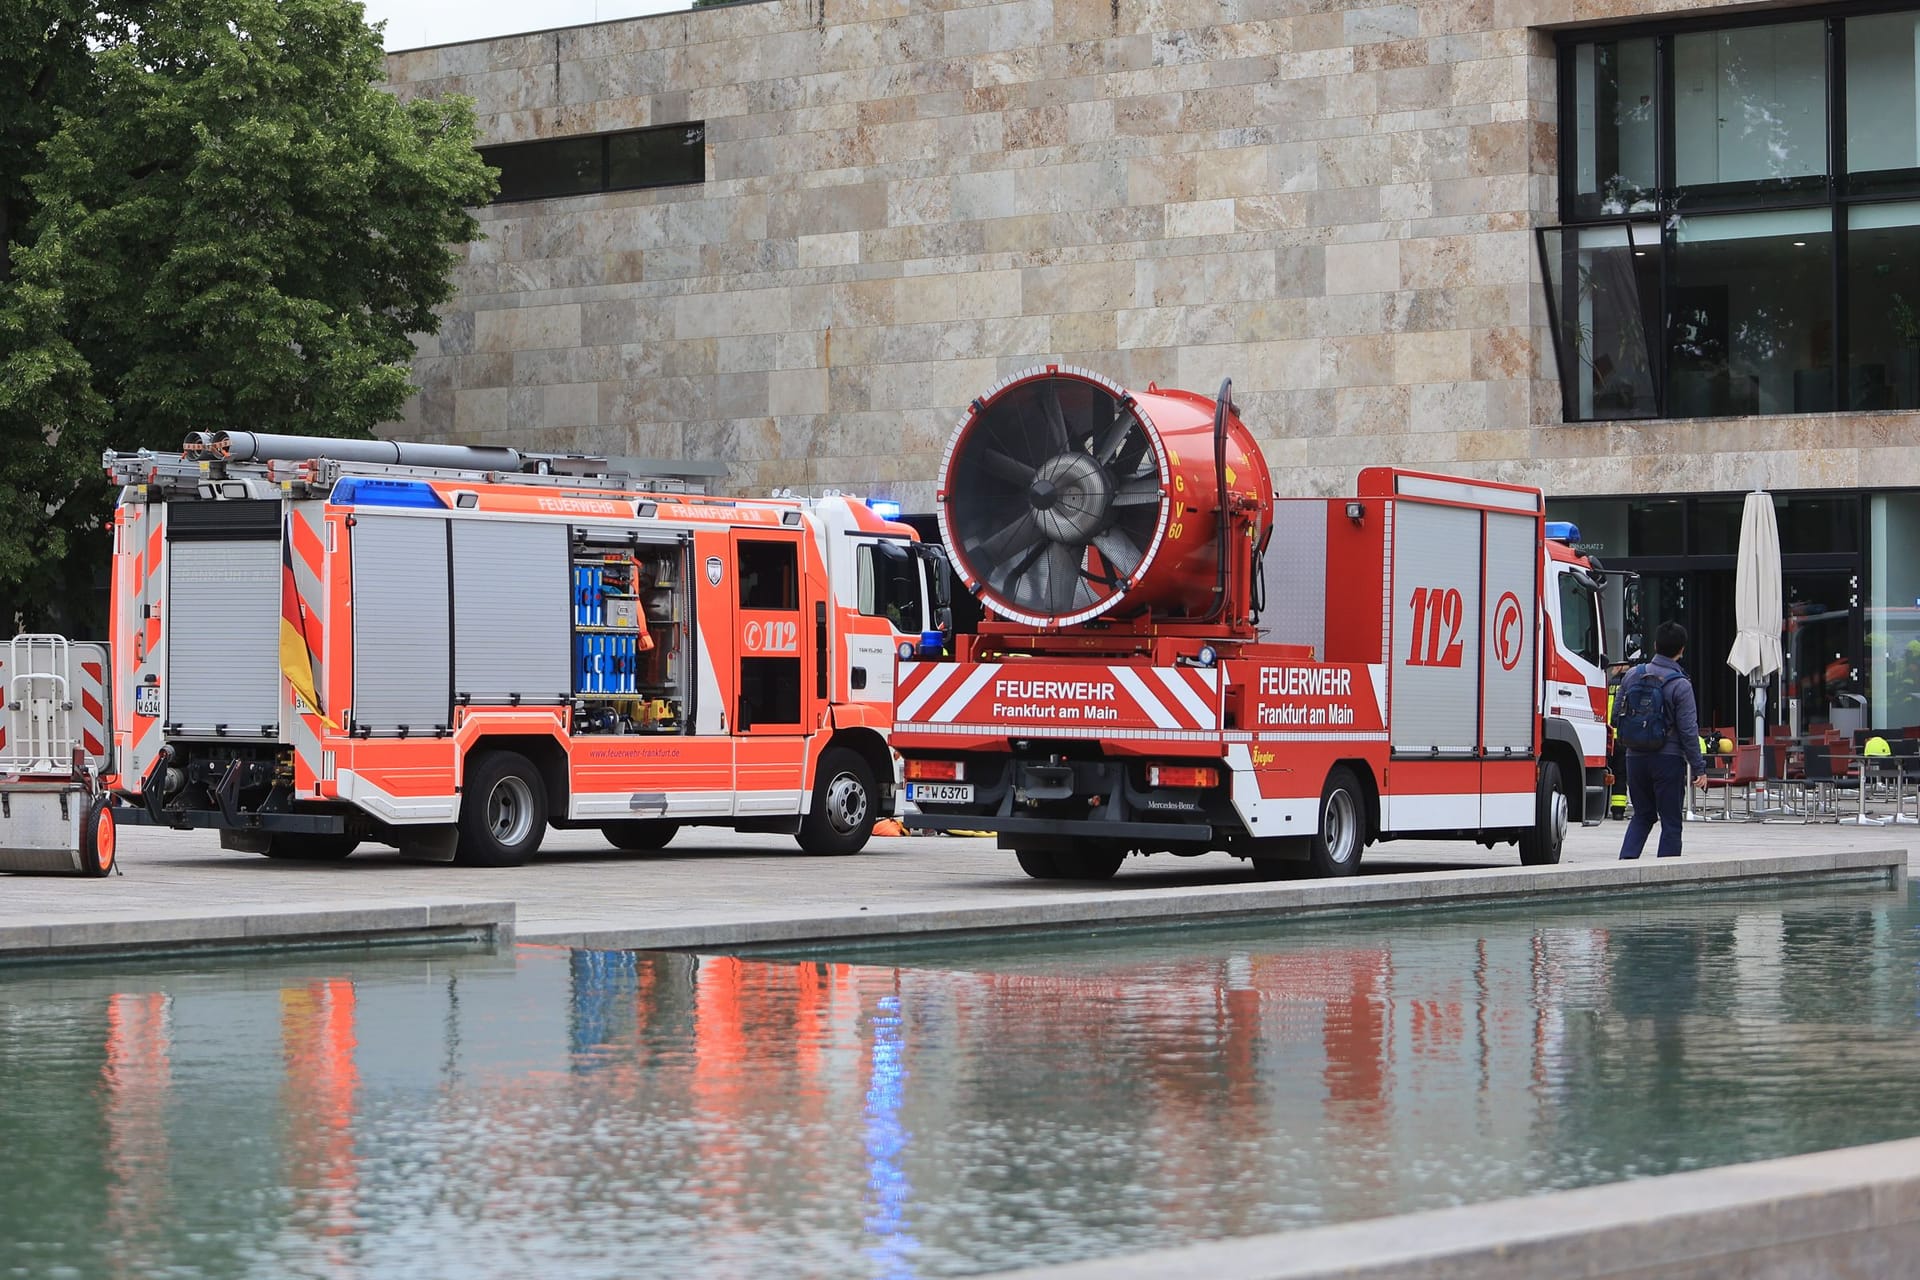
column 318, row 642
column 1183, row 663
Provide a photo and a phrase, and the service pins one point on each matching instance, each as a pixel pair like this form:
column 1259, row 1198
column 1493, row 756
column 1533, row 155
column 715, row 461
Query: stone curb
column 1146, row 907
column 1851, row 1211
column 259, row 930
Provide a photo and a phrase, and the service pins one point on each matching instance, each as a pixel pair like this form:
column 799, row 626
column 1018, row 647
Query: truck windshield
column 890, row 586
column 1579, row 619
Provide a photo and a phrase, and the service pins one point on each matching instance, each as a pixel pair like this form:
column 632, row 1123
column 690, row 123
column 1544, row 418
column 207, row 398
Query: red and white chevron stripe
column 1045, row 696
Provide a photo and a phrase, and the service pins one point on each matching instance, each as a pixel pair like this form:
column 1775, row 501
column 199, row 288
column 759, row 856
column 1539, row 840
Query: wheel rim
column 846, row 803
column 1557, row 818
column 510, row 810
column 1339, row 826
column 103, row 838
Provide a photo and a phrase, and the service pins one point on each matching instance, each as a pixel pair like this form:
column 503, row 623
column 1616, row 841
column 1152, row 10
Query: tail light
column 936, row 771
column 1182, row 775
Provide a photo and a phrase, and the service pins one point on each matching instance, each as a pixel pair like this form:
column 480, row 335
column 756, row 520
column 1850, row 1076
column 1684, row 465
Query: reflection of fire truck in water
column 318, row 642
column 1185, row 663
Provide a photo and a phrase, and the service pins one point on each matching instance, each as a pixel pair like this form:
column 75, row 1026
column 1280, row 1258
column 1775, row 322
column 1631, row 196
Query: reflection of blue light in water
column 601, row 979
column 887, row 1187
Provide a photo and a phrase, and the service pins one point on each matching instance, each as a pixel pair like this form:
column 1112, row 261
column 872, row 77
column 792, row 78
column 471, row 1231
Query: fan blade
column 1107, row 442
column 1136, row 492
column 1063, row 576
column 1128, row 460
column 1005, row 467
column 1056, row 421
column 1010, row 539
column 1018, row 565
column 1122, row 554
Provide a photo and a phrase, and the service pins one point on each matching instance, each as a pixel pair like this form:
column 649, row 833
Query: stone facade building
column 888, row 205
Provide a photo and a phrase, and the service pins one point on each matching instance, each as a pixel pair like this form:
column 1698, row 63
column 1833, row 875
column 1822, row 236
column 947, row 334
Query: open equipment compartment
column 630, row 618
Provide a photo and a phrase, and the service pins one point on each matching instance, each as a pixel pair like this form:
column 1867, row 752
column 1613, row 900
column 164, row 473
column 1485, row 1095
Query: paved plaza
column 718, row 888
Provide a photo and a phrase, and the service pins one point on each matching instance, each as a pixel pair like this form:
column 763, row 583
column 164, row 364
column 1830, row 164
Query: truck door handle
column 859, row 678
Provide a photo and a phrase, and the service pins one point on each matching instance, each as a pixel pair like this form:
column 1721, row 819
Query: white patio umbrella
column 1756, row 602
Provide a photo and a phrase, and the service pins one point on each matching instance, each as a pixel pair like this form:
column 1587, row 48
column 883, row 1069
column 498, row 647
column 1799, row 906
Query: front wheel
column 1335, row 847
column 1541, row 843
column 841, row 818
column 503, row 811
column 99, row 837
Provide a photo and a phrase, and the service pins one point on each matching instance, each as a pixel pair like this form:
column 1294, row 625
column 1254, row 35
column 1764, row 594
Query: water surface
column 931, row 1111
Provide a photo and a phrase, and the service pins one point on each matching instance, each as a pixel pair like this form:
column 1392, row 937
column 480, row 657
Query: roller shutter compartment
column 223, row 637
column 512, row 606
column 401, row 626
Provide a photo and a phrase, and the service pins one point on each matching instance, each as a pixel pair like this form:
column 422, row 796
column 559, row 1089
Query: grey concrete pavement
column 718, row 888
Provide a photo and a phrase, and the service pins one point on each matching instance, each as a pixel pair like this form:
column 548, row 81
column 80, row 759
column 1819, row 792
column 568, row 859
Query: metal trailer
column 55, row 814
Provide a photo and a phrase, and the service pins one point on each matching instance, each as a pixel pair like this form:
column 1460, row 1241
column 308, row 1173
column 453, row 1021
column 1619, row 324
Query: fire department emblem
column 713, row 570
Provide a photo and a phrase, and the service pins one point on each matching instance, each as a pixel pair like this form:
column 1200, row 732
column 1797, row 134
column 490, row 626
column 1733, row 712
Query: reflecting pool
column 940, row 1110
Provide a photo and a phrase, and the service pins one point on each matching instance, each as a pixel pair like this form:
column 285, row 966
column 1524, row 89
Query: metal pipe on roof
column 254, row 446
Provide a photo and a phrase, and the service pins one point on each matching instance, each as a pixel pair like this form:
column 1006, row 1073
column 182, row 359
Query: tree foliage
column 214, row 217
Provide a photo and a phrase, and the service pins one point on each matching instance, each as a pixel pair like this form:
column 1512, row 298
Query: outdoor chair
column 1823, row 786
column 1744, row 772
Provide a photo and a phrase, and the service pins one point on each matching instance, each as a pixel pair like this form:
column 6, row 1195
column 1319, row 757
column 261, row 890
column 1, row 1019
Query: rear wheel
column 99, row 837
column 841, row 819
column 503, row 811
column 1541, row 843
column 640, row 837
column 311, row 848
column 1336, row 846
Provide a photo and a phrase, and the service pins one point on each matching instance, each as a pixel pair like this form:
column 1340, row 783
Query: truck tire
column 841, row 818
column 311, row 848
column 99, row 837
column 1336, row 846
column 1037, row 863
column 1541, row 843
column 503, row 811
column 1088, row 864
column 640, row 836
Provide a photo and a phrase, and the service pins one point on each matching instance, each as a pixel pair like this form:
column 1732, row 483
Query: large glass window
column 1782, row 275
column 1752, row 328
column 1613, row 134
column 1883, row 136
column 1883, row 305
column 1750, row 105
column 1600, row 280
column 665, row 156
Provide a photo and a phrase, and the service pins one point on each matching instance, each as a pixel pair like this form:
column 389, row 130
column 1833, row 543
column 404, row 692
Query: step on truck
column 1180, row 662
column 318, row 643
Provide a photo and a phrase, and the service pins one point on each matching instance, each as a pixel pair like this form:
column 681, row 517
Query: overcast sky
column 414, row 23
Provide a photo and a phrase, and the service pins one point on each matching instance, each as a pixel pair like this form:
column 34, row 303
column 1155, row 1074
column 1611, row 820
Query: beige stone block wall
column 1331, row 204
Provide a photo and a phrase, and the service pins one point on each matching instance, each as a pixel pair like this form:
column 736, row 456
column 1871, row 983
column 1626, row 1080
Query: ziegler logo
column 1509, row 638
column 1437, row 614
column 771, row 637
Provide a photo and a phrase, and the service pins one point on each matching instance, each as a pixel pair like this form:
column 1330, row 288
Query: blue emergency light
column 885, row 508
column 363, row 491
column 1563, row 531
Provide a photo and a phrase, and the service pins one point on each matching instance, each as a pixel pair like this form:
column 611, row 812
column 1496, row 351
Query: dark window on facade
column 1741, row 210
column 672, row 155
column 769, row 575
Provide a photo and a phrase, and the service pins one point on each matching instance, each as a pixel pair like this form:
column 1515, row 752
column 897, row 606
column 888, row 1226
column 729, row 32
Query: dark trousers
column 1655, row 784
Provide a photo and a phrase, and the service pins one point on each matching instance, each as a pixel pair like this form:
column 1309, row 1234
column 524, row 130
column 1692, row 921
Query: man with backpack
column 1657, row 722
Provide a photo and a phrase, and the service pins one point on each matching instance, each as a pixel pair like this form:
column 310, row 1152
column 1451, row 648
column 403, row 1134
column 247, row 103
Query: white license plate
column 146, row 700
column 940, row 792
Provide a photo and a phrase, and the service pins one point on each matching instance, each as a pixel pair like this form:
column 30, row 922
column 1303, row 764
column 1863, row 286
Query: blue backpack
column 1642, row 714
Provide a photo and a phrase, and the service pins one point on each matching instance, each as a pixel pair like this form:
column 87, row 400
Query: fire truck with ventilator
column 1181, row 662
column 319, row 642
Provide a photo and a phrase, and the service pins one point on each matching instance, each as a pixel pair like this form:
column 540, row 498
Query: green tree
column 215, row 218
